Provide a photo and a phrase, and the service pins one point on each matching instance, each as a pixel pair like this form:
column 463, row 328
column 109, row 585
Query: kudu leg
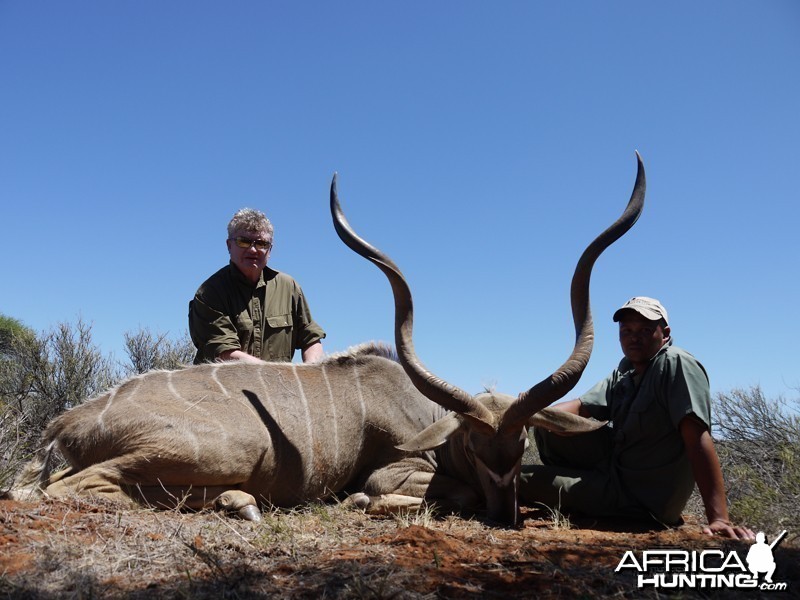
column 410, row 484
column 385, row 504
column 233, row 502
column 97, row 480
column 104, row 480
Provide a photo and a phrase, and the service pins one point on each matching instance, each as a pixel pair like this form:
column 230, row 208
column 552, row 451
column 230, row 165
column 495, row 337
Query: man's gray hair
column 249, row 219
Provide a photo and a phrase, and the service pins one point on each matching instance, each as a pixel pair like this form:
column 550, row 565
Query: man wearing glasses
column 247, row 311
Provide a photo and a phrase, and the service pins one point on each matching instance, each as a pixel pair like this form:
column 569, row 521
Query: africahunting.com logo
column 705, row 569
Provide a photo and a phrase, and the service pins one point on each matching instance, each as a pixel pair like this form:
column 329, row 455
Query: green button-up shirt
column 270, row 319
column 648, row 452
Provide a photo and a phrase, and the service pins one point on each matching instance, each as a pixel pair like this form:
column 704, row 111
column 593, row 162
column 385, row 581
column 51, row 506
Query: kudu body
column 236, row 435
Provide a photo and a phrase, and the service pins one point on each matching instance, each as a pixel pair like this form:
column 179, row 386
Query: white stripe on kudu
column 309, row 458
column 334, row 419
column 362, row 404
column 218, row 382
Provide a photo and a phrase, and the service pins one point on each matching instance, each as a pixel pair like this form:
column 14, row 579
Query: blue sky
column 482, row 145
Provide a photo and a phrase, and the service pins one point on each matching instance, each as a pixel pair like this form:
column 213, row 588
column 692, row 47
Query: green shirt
column 648, row 455
column 270, row 319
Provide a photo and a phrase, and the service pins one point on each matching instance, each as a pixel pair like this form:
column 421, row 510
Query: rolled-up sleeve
column 306, row 330
column 211, row 330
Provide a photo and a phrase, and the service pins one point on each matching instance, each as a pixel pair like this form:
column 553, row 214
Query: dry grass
column 86, row 549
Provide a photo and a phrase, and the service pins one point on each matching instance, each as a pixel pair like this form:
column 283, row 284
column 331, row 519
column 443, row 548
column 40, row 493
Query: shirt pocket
column 647, row 425
column 279, row 321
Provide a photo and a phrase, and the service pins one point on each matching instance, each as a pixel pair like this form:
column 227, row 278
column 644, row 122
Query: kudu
column 484, row 436
column 236, row 435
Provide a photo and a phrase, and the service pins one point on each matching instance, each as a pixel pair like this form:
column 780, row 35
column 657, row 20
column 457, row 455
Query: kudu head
column 493, row 427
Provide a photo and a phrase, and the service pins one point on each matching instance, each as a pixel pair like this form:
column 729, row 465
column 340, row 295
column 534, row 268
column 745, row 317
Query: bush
column 43, row 375
column 148, row 351
column 758, row 442
column 40, row 377
column 9, row 329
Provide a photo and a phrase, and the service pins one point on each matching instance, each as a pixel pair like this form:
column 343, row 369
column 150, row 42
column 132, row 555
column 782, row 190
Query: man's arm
column 313, row 353
column 708, row 476
column 575, row 407
column 213, row 333
column 239, row 355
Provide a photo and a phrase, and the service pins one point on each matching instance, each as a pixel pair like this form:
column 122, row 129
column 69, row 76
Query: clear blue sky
column 482, row 145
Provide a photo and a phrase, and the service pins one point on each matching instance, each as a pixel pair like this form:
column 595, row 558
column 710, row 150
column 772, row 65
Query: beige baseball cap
column 649, row 308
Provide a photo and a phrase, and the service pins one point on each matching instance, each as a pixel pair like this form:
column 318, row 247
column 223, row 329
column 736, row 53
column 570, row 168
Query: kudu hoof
column 241, row 503
column 249, row 513
column 359, row 500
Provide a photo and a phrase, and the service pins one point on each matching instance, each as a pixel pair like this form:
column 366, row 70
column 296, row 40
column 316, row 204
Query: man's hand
column 240, row 356
column 708, row 476
column 726, row 529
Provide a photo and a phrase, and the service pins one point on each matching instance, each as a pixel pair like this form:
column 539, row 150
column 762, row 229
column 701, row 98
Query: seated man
column 247, row 311
column 657, row 443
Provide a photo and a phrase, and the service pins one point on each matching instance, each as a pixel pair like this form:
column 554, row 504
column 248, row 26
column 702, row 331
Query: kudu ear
column 563, row 423
column 434, row 435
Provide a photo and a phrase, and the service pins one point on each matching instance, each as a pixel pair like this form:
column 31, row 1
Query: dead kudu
column 482, row 439
column 235, row 435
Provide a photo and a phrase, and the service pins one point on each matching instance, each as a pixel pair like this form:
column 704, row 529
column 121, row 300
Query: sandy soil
column 80, row 549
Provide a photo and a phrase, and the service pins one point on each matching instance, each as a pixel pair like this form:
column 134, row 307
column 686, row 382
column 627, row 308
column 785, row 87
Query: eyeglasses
column 244, row 242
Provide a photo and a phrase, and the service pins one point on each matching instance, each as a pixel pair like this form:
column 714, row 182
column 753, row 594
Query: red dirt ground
column 72, row 549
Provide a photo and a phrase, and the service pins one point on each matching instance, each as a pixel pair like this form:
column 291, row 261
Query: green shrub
column 43, row 375
column 148, row 351
column 758, row 442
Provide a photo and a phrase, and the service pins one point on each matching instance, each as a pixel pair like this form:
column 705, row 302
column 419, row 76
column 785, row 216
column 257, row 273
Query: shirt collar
column 625, row 365
column 239, row 277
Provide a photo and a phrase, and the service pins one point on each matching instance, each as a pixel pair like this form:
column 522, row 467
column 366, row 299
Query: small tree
column 40, row 377
column 758, row 442
column 14, row 337
column 14, row 386
column 66, row 368
column 148, row 351
column 43, row 375
column 11, row 328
